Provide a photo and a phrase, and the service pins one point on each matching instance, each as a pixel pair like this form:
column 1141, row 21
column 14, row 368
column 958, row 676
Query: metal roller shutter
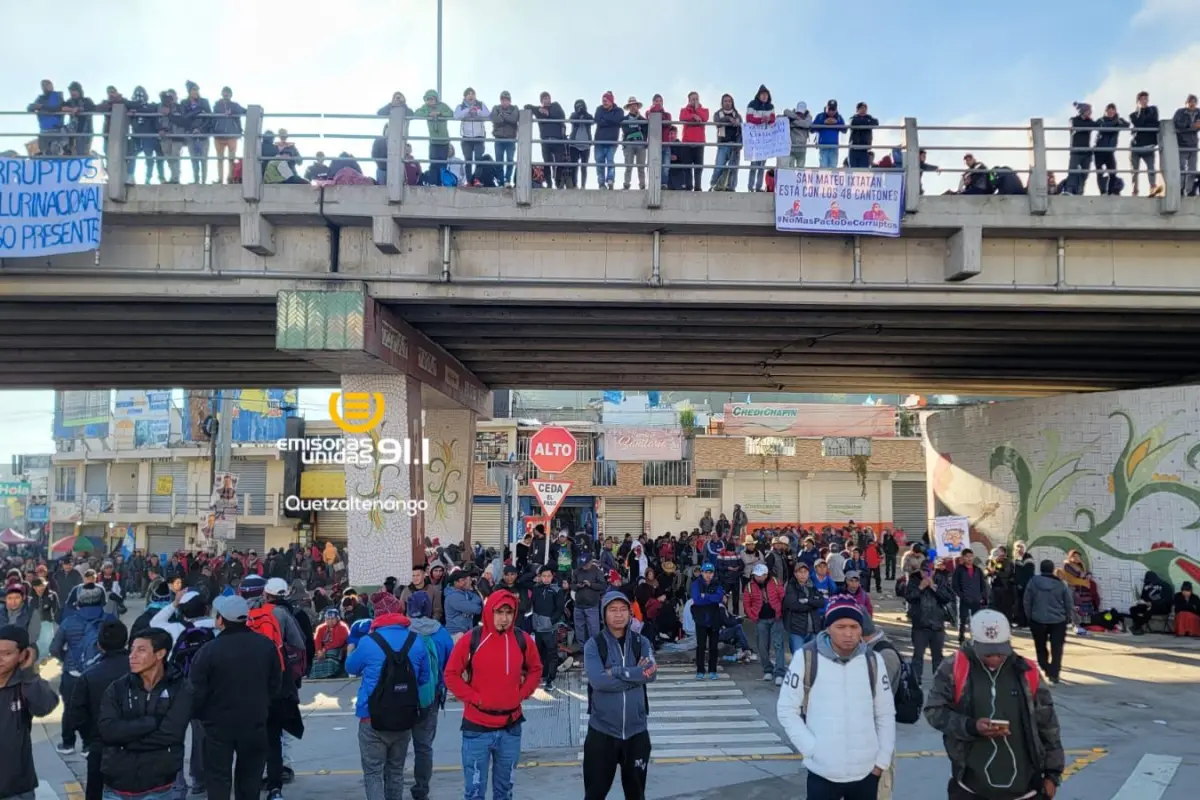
column 487, row 524
column 332, row 525
column 162, row 539
column 247, row 538
column 252, row 484
column 909, row 508
column 178, row 473
column 624, row 515
column 765, row 500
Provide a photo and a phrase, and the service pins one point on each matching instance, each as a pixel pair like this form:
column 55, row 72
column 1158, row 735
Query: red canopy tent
column 11, row 537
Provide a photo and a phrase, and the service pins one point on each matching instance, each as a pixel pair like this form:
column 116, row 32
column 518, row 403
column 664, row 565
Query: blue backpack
column 447, row 178
column 89, row 645
column 427, row 693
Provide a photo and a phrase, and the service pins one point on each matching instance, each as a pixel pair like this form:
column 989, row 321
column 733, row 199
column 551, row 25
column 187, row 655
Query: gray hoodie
column 505, row 121
column 800, row 125
column 1048, row 600
column 618, row 696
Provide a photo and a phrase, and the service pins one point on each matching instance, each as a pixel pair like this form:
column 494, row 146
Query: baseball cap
column 232, row 608
column 708, row 567
column 990, row 633
column 759, row 570
column 853, row 574
column 276, row 587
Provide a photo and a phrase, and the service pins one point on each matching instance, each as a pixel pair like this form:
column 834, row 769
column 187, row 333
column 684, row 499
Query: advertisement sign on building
column 219, row 521
column 14, row 488
column 141, row 418
column 82, row 415
column 259, row 415
column 809, row 420
column 643, row 444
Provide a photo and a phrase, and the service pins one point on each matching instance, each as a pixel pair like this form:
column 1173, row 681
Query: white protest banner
column 48, row 206
column 551, row 494
column 951, row 535
column 760, row 142
column 857, row 202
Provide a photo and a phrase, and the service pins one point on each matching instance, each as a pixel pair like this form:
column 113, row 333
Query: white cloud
column 1155, row 11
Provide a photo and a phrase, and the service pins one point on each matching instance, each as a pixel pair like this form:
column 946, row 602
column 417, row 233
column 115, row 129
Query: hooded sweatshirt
column 581, row 129
column 502, row 676
column 1156, row 593
column 439, row 131
column 761, row 112
column 1048, row 600
column 369, row 659
column 462, row 606
column 22, row 698
column 800, row 125
column 618, row 697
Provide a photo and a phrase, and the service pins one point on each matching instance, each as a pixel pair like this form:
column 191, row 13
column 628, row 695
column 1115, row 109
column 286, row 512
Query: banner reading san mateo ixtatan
column 853, row 202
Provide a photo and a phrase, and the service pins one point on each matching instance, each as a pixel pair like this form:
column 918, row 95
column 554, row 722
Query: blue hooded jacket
column 368, row 660
column 68, row 640
column 618, row 700
column 461, row 608
column 706, row 602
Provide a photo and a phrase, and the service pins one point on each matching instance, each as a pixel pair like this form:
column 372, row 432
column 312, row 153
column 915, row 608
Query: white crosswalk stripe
column 1150, row 778
column 680, row 705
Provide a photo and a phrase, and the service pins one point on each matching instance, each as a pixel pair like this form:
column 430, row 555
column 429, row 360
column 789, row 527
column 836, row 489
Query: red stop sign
column 552, row 449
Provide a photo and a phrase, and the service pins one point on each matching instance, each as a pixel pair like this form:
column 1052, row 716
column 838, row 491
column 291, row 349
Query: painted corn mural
column 1115, row 476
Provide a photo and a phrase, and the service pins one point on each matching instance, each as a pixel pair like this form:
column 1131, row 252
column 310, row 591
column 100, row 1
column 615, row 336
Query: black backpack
column 602, row 651
column 188, row 644
column 906, row 692
column 477, row 637
column 394, row 704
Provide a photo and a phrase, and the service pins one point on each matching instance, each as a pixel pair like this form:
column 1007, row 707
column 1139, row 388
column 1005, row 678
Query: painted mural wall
column 447, row 476
column 1114, row 475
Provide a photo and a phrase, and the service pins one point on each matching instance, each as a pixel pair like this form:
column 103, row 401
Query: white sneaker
column 567, row 663
column 751, row 657
column 766, row 677
column 63, row 750
column 779, row 681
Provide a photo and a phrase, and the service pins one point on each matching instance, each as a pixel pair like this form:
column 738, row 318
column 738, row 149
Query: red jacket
column 666, row 117
column 500, row 680
column 694, row 133
column 752, row 598
column 872, row 556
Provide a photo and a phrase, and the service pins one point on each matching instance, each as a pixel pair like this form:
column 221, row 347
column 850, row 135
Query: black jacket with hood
column 84, row 704
column 550, row 121
column 1144, row 118
column 83, row 121
column 1157, row 593
column 581, row 127
column 143, row 731
column 24, row 697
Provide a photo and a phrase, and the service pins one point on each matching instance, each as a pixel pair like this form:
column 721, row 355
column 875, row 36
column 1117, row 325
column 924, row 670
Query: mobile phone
column 1000, row 723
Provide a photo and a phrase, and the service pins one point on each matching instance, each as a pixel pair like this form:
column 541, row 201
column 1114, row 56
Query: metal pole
column 439, row 50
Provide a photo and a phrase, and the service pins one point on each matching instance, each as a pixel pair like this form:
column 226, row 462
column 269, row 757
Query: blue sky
column 948, row 63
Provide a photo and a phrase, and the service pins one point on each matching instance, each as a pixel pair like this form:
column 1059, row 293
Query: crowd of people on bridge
column 224, row 643
column 586, row 138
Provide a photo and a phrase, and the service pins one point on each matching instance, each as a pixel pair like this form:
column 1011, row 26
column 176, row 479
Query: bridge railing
column 933, row 158
column 129, row 507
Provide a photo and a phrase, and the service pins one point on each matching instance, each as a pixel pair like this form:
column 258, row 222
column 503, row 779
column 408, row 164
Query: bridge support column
column 384, row 525
column 449, row 478
column 964, row 254
column 258, row 235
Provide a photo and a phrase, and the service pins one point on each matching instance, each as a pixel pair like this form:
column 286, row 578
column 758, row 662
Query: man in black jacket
column 972, row 590
column 1080, row 162
column 552, row 130
column 928, row 594
column 549, row 604
column 1145, row 140
column 23, row 696
column 861, row 135
column 235, row 678
column 89, row 691
column 144, row 719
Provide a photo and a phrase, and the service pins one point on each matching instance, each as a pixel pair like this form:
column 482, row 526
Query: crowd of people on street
column 224, row 643
column 587, row 138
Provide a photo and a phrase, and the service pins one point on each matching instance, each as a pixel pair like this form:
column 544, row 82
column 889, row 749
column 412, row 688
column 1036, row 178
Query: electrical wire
column 987, row 768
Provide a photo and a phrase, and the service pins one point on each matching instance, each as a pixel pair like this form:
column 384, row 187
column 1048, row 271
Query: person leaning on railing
column 472, row 112
column 506, row 117
column 197, row 120
column 634, row 134
column 49, row 109
column 729, row 146
column 80, row 110
column 226, row 129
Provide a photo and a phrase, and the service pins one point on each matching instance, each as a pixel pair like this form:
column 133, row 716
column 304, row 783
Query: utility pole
column 220, row 440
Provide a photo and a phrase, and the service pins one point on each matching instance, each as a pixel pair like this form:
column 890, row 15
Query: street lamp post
column 439, row 49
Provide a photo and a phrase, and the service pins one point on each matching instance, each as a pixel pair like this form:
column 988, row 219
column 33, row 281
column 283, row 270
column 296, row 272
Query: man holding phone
column 997, row 719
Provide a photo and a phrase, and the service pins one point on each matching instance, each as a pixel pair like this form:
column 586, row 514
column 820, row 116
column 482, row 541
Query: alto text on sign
column 551, row 494
column 553, row 449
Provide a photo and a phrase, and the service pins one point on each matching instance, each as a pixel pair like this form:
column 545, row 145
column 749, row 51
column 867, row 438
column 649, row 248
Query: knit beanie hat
column 385, row 603
column 842, row 606
column 419, row 605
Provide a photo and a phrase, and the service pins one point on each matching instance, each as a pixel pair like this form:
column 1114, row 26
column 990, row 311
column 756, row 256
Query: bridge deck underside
column 99, row 344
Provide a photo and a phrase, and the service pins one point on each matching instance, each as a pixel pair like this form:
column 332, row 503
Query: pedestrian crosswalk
column 696, row 719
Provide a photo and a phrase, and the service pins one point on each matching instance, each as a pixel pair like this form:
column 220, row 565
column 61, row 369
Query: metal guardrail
column 898, row 148
column 667, row 473
column 101, row 506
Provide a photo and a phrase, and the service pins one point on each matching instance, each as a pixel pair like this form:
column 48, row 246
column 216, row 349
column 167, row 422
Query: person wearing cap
column 285, row 708
column 836, row 706
column 506, row 117
column 997, row 718
column 618, row 735
column 492, row 682
column 763, row 600
column 462, row 603
column 970, row 587
column 854, row 589
column 929, row 597
column 71, row 647
column 435, row 113
column 609, row 121
column 587, row 581
column 23, row 694
column 85, row 701
column 235, row 679
column 549, row 608
column 437, row 640
column 473, row 113
column 707, row 595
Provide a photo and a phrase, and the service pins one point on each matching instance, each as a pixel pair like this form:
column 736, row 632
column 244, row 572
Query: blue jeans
column 506, row 153
column 381, row 176
column 498, row 749
column 797, row 642
column 829, row 156
column 770, row 634
column 757, row 174
column 472, row 149
column 727, row 157
column 606, row 173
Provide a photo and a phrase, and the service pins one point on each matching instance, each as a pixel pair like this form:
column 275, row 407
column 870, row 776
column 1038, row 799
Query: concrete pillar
column 251, row 161
column 523, row 171
column 654, row 162
column 258, row 235
column 1172, row 175
column 912, row 166
column 397, row 139
column 385, row 231
column 382, row 541
column 116, row 153
column 447, row 475
column 964, row 253
column 1039, row 196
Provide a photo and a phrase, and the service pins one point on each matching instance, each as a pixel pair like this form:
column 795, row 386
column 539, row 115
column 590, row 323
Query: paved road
column 1127, row 708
